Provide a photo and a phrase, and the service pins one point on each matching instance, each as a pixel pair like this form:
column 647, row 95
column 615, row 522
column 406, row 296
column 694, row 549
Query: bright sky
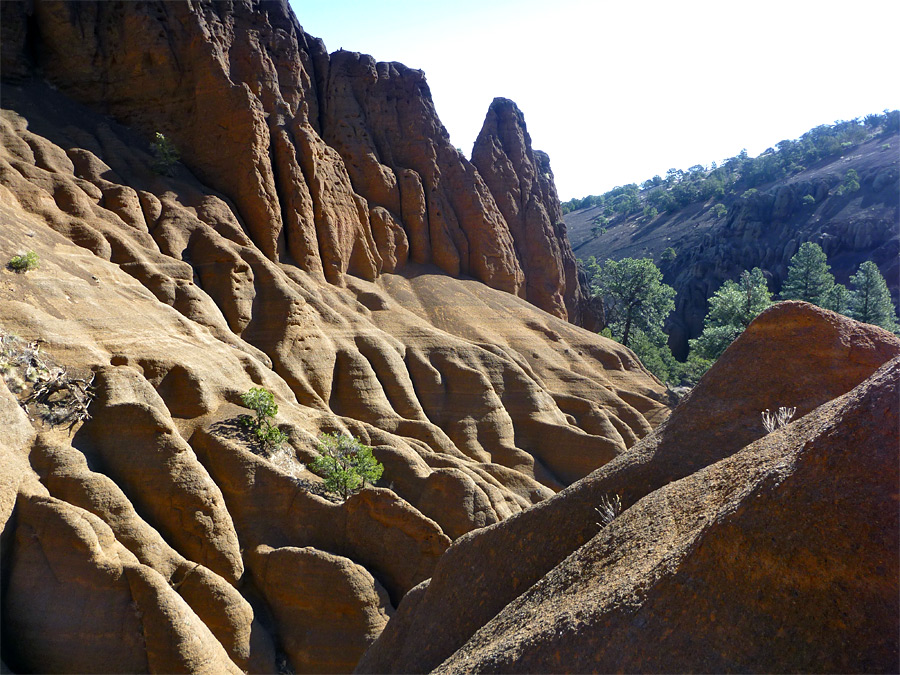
column 617, row 91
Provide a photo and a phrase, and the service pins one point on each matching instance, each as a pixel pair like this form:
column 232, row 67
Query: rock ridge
column 335, row 162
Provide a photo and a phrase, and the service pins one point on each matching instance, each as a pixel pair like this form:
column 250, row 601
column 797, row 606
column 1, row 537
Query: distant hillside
column 755, row 212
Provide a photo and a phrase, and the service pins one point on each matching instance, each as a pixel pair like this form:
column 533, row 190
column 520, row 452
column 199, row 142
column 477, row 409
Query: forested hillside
column 837, row 185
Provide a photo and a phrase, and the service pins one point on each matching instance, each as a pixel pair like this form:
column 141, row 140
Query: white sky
column 617, row 91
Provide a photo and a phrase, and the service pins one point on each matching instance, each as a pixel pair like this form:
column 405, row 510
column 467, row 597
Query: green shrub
column 668, row 255
column 808, row 199
column 262, row 402
column 23, row 263
column 165, row 156
column 719, row 210
column 345, row 463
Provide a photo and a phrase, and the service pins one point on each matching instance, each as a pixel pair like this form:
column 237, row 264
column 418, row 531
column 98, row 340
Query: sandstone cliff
column 323, row 240
column 282, row 253
column 337, row 163
column 522, row 183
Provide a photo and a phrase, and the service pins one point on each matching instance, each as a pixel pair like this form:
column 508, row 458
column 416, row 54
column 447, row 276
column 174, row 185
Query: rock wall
column 522, row 183
column 337, row 163
column 158, row 535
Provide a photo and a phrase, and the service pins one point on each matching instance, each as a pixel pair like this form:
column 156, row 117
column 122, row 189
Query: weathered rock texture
column 324, row 241
column 780, row 558
column 157, row 536
column 336, row 162
column 522, row 183
column 793, row 354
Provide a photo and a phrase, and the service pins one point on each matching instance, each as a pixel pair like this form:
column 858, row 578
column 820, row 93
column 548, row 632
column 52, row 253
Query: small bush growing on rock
column 262, row 402
column 773, row 421
column 23, row 263
column 165, row 156
column 345, row 463
column 609, row 508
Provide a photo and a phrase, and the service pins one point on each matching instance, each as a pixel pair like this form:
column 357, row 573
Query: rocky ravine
column 322, row 240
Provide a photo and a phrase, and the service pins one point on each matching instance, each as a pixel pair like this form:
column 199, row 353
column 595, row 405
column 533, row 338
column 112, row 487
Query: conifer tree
column 837, row 299
column 809, row 277
column 731, row 309
column 870, row 300
column 634, row 296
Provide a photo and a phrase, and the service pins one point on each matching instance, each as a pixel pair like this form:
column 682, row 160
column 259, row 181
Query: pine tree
column 731, row 309
column 870, row 300
column 837, row 299
column 809, row 278
column 634, row 296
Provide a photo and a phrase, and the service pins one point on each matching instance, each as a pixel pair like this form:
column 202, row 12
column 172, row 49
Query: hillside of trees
column 700, row 183
column 837, row 185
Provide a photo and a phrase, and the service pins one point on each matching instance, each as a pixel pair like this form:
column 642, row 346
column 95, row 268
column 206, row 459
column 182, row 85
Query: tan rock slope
column 736, row 550
column 284, row 254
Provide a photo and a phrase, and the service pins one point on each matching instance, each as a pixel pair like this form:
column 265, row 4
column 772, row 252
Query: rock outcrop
column 322, row 240
column 158, row 535
column 522, row 183
column 782, row 557
column 337, row 163
column 792, row 354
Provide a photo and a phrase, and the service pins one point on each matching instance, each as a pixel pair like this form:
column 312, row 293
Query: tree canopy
column 740, row 173
column 731, row 309
column 870, row 300
column 633, row 296
column 809, row 276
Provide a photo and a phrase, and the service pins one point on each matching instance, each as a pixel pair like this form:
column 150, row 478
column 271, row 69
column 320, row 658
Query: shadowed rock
column 794, row 353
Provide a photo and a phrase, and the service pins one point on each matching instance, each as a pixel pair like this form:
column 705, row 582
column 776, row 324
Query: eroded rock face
column 522, row 183
column 478, row 404
column 381, row 119
column 781, row 557
column 793, row 354
column 337, row 162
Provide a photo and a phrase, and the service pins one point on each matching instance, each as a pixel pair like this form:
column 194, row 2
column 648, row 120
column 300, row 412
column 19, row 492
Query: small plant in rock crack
column 609, row 508
column 24, row 262
column 262, row 402
column 772, row 421
column 165, row 155
column 345, row 463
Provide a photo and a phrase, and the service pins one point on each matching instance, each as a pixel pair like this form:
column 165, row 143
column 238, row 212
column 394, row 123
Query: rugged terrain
column 763, row 229
column 737, row 550
column 322, row 239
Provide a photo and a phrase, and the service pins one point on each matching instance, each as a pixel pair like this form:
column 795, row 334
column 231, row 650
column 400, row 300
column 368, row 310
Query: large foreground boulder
column 793, row 354
column 780, row 558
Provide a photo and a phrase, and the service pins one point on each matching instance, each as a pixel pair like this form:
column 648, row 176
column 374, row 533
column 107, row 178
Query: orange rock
column 794, row 353
column 522, row 184
column 781, row 557
column 309, row 262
